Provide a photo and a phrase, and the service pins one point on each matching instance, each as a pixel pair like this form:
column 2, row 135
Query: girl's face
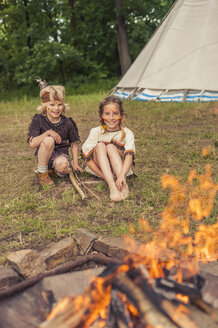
column 54, row 110
column 111, row 116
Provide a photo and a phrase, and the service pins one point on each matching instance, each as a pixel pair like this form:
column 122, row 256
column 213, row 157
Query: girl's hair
column 54, row 92
column 115, row 100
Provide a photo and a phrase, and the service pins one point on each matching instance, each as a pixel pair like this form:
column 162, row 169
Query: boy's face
column 54, row 109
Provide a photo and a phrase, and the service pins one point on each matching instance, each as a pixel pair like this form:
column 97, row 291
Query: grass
column 169, row 139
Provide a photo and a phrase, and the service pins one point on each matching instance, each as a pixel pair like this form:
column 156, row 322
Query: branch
column 98, row 258
column 88, row 189
column 76, row 186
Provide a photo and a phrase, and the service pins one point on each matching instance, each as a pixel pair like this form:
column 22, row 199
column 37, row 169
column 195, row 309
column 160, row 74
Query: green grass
column 169, row 139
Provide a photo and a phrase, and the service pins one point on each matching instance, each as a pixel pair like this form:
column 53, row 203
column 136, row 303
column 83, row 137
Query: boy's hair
column 51, row 93
column 115, row 100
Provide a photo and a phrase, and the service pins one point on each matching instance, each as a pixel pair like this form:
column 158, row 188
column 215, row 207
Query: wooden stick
column 88, row 189
column 76, row 186
column 148, row 311
column 98, row 258
column 179, row 317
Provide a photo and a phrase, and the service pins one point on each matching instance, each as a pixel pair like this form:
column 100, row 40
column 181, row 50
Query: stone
column 27, row 262
column 72, row 283
column 29, row 308
column 120, row 247
column 8, row 277
column 110, row 248
column 84, row 240
column 58, row 253
column 210, row 267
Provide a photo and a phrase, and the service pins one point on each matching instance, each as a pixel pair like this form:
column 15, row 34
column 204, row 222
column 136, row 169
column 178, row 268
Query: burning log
column 136, row 293
column 123, row 297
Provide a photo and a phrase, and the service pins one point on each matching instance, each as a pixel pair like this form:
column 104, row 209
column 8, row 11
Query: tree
column 122, row 39
column 73, row 41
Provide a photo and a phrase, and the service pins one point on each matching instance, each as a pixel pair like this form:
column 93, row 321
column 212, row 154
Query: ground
column 169, row 140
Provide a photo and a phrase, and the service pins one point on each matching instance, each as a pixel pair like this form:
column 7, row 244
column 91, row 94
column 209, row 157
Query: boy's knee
column 61, row 164
column 48, row 142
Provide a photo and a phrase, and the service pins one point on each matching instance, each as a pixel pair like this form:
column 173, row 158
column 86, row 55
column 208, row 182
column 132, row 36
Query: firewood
column 148, row 312
column 66, row 318
column 179, row 317
column 98, row 258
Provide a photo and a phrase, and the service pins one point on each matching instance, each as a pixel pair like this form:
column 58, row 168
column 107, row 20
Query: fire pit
column 144, row 291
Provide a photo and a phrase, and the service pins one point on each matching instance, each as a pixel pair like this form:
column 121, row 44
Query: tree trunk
column 122, row 39
column 72, row 20
column 27, row 17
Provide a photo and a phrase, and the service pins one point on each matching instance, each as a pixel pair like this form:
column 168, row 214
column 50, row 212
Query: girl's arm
column 121, row 179
column 74, row 151
column 94, row 167
column 36, row 141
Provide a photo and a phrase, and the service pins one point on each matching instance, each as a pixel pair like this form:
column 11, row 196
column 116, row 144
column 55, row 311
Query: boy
column 52, row 134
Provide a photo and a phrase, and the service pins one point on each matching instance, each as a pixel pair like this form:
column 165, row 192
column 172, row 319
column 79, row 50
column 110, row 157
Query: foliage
column 63, row 43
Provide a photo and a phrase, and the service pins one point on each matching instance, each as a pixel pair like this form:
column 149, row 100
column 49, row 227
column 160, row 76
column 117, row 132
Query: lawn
column 169, row 140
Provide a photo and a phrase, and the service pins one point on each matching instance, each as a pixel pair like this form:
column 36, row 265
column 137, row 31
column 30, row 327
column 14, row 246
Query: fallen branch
column 98, row 258
column 88, row 189
column 76, row 186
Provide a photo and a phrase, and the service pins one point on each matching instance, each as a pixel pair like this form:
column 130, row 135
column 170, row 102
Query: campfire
column 158, row 283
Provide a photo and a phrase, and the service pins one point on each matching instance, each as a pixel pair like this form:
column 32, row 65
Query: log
column 98, row 258
column 149, row 314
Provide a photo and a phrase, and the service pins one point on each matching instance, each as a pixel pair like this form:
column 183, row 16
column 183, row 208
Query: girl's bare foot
column 116, row 195
column 125, row 191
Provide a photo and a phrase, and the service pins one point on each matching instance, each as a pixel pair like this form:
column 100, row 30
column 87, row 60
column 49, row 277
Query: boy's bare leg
column 116, row 163
column 101, row 158
column 44, row 153
column 45, row 150
column 61, row 165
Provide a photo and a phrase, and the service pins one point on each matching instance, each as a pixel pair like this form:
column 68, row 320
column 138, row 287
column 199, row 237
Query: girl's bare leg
column 101, row 159
column 45, row 150
column 116, row 163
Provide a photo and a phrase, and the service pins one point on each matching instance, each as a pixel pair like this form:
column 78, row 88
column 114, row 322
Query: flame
column 183, row 298
column 171, row 246
column 189, row 202
column 206, row 151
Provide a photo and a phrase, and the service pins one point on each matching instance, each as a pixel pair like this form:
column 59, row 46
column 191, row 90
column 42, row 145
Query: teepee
column 180, row 61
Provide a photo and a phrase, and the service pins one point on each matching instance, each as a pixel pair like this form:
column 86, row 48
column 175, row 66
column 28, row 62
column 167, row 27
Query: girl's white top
column 99, row 135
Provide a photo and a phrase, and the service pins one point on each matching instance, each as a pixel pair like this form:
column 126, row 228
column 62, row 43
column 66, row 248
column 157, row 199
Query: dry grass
column 169, row 139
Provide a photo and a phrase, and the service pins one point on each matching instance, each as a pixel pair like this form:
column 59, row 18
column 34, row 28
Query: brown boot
column 44, row 179
column 52, row 174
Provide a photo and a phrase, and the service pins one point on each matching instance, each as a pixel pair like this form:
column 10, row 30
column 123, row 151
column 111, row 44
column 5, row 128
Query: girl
column 110, row 148
column 52, row 134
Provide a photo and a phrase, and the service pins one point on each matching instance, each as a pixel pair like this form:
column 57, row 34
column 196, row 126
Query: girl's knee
column 100, row 147
column 111, row 149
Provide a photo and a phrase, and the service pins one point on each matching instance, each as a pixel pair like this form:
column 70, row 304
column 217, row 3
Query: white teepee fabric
column 180, row 61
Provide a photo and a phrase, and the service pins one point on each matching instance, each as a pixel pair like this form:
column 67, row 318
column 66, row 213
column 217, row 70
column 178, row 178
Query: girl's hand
column 76, row 167
column 121, row 182
column 55, row 135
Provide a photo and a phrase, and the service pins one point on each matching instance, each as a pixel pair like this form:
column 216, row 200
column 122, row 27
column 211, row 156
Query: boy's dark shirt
column 66, row 128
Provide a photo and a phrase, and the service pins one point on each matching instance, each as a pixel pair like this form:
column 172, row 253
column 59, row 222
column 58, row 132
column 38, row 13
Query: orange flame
column 187, row 203
column 171, row 246
column 183, row 298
